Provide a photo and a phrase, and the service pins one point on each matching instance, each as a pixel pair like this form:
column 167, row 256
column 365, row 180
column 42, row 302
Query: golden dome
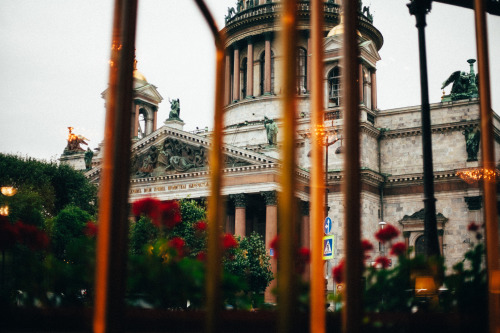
column 339, row 28
column 138, row 75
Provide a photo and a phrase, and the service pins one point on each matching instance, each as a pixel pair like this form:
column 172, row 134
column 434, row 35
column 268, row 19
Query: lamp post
column 420, row 8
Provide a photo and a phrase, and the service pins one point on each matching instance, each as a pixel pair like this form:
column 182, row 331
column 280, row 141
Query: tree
column 56, row 185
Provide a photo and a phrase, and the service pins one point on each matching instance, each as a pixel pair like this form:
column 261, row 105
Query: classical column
column 406, row 235
column 155, row 117
column 309, row 63
column 361, row 85
column 305, row 233
column 236, row 73
column 373, row 73
column 239, row 213
column 227, row 79
column 440, row 239
column 249, row 68
column 267, row 65
column 271, row 232
column 136, row 122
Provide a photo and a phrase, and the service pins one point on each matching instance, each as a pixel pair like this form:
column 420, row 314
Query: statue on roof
column 89, row 154
column 74, row 142
column 175, row 109
column 271, row 131
column 465, row 85
column 230, row 13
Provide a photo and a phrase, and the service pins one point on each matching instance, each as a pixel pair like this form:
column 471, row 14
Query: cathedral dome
column 138, row 75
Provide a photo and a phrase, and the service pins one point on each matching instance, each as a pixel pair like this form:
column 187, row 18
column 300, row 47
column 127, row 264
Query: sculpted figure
column 230, row 13
column 149, row 162
column 175, row 109
column 464, row 84
column 271, row 131
column 472, row 137
column 88, row 159
column 74, row 142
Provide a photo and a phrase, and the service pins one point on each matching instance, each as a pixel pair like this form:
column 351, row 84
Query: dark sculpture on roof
column 175, row 109
column 271, row 131
column 465, row 85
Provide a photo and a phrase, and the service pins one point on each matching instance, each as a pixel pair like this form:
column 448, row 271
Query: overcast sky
column 55, row 55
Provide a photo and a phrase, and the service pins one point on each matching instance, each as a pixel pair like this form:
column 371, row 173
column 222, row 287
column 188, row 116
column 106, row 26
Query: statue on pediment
column 74, row 142
column 178, row 156
column 175, row 109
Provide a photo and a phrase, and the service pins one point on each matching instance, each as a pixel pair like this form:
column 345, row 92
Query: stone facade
column 391, row 152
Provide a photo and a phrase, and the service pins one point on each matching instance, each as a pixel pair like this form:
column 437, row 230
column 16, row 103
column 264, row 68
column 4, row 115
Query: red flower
column 178, row 244
column 200, row 226
column 148, row 207
column 366, row 245
column 275, row 245
column 9, row 234
column 387, row 234
column 229, row 242
column 398, row 249
column 201, row 256
column 170, row 214
column 382, row 262
column 90, row 229
column 338, row 272
column 32, row 237
column 473, row 226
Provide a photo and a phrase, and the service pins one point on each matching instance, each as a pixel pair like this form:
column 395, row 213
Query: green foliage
column 468, row 283
column 56, row 185
column 142, row 232
column 26, row 206
column 68, row 226
column 251, row 263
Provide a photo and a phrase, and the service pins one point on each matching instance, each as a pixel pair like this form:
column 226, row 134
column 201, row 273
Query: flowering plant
column 168, row 244
column 393, row 288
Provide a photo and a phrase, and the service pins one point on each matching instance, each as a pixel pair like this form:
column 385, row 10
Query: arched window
column 301, row 71
column 143, row 120
column 420, row 245
column 243, row 70
column 262, row 61
column 366, row 87
column 334, row 87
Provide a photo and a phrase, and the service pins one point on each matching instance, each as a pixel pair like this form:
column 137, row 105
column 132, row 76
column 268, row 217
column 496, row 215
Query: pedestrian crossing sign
column 328, row 242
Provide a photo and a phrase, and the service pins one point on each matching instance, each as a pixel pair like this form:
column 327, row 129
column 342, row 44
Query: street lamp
column 381, row 247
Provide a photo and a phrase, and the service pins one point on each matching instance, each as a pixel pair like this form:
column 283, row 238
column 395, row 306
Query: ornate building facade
column 170, row 163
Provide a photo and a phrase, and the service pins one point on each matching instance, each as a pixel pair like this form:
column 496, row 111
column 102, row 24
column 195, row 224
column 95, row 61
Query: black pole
column 420, row 8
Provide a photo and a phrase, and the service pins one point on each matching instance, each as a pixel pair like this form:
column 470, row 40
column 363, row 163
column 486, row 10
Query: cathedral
column 170, row 163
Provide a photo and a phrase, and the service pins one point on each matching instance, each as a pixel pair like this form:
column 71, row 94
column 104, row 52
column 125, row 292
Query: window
column 262, row 61
column 301, row 71
column 243, row 70
column 334, row 87
column 420, row 245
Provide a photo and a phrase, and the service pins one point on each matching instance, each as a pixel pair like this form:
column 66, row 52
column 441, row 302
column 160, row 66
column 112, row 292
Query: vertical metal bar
column 113, row 204
column 488, row 159
column 286, row 217
column 318, row 198
column 215, row 202
column 351, row 185
column 420, row 8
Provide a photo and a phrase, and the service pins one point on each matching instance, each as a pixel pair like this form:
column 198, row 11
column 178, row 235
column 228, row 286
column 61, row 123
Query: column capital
column 239, row 200
column 474, row 203
column 268, row 35
column 406, row 234
column 440, row 232
column 250, row 39
column 271, row 197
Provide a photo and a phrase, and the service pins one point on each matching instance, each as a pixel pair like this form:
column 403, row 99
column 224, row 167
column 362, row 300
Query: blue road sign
column 328, row 225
